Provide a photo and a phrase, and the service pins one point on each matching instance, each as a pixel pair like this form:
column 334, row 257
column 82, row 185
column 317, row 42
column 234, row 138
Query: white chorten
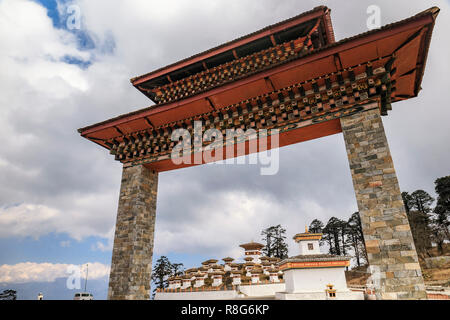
column 253, row 249
column 310, row 274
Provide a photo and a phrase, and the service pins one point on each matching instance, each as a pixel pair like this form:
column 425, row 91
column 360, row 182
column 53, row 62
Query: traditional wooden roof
column 274, row 259
column 187, row 76
column 252, row 246
column 210, row 261
column 316, row 257
column 314, row 261
column 301, row 93
column 307, row 236
column 228, row 259
column 256, row 271
column 216, row 266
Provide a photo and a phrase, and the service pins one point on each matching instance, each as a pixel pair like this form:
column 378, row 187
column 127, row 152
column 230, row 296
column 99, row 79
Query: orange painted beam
column 286, row 138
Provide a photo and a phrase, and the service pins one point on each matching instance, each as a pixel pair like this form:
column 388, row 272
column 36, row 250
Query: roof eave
column 315, row 12
column 432, row 12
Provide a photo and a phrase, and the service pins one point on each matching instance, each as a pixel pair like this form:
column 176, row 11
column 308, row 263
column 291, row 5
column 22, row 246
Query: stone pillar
column 389, row 243
column 131, row 265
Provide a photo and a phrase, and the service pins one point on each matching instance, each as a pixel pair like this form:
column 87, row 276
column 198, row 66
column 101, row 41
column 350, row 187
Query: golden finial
column 306, row 229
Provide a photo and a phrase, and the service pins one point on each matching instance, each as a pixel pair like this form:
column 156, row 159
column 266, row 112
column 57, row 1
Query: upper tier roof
column 307, row 236
column 314, row 258
column 252, row 246
column 268, row 37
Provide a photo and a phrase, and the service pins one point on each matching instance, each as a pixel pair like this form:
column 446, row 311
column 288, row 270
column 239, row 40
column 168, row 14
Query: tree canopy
column 440, row 220
column 8, row 295
column 163, row 270
column 342, row 237
column 274, row 239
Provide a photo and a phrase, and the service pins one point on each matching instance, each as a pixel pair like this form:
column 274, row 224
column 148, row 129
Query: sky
column 59, row 192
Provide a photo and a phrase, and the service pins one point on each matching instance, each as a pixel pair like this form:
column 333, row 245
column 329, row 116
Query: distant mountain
column 57, row 290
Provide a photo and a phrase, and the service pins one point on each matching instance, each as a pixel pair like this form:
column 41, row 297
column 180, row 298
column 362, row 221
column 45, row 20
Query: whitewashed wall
column 201, row 295
column 304, row 250
column 314, row 280
column 262, row 290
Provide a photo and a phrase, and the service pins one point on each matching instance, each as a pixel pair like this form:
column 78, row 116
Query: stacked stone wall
column 393, row 259
column 131, row 264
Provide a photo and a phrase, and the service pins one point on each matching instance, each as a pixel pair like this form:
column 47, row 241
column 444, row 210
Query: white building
column 253, row 250
column 313, row 275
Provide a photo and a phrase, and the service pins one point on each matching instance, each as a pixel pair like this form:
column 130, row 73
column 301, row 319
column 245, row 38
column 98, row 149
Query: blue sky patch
column 85, row 40
column 79, row 62
column 52, row 11
column 55, row 248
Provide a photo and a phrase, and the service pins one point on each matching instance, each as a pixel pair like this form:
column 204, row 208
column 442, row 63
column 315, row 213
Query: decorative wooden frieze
column 317, row 100
column 233, row 70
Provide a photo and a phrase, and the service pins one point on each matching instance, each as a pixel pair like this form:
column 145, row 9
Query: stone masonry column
column 390, row 247
column 131, row 265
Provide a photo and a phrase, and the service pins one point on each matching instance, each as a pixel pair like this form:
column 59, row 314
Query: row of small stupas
column 255, row 269
column 308, row 275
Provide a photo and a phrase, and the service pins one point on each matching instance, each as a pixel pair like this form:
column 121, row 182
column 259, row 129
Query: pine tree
column 8, row 295
column 268, row 240
column 418, row 206
column 275, row 242
column 440, row 221
column 177, row 269
column 344, row 230
column 333, row 235
column 407, row 201
column 162, row 271
column 316, row 226
column 421, row 201
column 356, row 238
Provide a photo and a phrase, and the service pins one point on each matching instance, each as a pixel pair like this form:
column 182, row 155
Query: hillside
column 436, row 272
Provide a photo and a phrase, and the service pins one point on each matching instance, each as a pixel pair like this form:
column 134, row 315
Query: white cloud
column 17, row 220
column 105, row 246
column 32, row 49
column 219, row 228
column 36, row 220
column 47, row 272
